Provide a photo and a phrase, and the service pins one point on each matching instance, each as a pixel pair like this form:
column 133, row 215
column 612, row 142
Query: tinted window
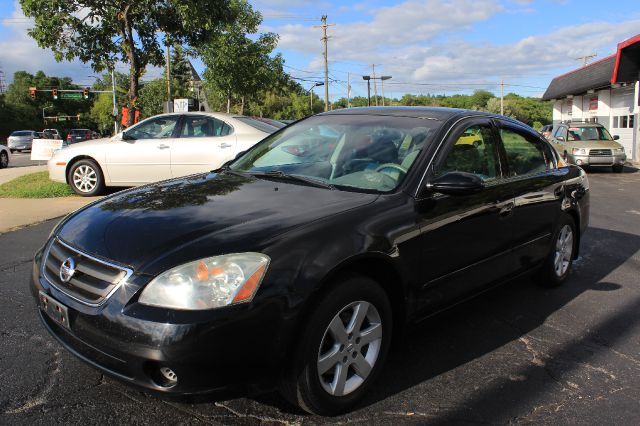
column 155, row 128
column 474, row 152
column 203, row 127
column 22, row 133
column 525, row 154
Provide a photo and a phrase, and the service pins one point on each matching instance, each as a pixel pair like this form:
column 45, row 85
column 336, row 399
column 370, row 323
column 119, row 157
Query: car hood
column 161, row 225
column 592, row 144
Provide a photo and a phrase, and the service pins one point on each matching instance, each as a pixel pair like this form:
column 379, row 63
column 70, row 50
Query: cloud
column 424, row 41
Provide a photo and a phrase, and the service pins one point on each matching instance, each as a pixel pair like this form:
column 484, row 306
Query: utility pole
column 168, row 65
column 348, row 90
column 382, row 79
column 115, row 105
column 324, row 27
column 375, row 87
column 502, row 97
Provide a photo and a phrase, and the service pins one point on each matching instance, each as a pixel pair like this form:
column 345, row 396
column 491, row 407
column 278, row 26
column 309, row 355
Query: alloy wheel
column 349, row 349
column 564, row 250
column 85, row 178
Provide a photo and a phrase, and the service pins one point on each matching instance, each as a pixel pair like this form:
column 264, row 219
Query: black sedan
column 293, row 266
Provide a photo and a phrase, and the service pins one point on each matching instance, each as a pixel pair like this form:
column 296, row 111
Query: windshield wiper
column 226, row 169
column 279, row 174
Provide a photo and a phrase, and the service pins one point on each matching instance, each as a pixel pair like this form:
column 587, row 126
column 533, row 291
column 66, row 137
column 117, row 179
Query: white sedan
column 5, row 155
column 158, row 148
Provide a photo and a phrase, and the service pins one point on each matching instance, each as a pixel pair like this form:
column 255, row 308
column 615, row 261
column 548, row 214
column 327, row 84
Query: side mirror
column 616, row 137
column 560, row 138
column 457, row 183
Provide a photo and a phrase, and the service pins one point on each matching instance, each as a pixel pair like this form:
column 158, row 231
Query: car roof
column 582, row 124
column 434, row 113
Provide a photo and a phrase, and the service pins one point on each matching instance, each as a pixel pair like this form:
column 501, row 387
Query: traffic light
column 32, row 92
column 54, row 92
column 85, row 93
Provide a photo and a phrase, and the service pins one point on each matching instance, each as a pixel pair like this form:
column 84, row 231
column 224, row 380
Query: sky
column 426, row 46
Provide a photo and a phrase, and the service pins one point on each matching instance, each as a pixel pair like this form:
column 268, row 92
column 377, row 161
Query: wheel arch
column 77, row 158
column 576, row 220
column 378, row 267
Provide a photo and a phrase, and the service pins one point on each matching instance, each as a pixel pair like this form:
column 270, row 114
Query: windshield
column 361, row 152
column 256, row 124
column 22, row 133
column 589, row 134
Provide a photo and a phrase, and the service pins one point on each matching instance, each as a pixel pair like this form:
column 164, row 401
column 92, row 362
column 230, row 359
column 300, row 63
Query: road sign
column 71, row 95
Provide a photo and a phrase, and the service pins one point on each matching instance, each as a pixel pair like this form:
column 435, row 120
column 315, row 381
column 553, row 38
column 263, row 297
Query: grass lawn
column 34, row 185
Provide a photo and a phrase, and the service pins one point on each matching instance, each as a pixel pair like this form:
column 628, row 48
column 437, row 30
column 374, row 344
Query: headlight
column 208, row 283
column 579, row 151
column 618, row 151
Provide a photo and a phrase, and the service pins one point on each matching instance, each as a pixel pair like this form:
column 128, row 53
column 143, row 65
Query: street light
column 311, row 91
column 382, row 79
column 368, row 79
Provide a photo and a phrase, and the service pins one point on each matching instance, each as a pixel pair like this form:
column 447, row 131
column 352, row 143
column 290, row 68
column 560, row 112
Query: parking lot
column 22, row 159
column 518, row 354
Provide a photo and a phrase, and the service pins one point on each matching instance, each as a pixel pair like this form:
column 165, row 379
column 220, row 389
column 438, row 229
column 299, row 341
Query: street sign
column 71, row 95
column 180, row 105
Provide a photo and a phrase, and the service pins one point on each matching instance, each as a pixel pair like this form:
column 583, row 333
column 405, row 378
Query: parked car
column 158, row 148
column 275, row 123
column 5, row 156
column 546, row 130
column 54, row 133
column 294, row 265
column 588, row 144
column 78, row 135
column 21, row 140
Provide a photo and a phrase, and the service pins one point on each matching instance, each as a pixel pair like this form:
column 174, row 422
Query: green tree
column 239, row 66
column 180, row 70
column 152, row 96
column 102, row 32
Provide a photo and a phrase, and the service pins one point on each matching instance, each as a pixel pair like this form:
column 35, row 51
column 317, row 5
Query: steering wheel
column 395, row 166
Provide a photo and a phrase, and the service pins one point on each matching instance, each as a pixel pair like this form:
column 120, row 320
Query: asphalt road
column 519, row 354
column 22, row 159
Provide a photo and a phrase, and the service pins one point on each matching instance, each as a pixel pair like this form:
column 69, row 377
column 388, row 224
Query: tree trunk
column 229, row 103
column 134, row 69
column 242, row 105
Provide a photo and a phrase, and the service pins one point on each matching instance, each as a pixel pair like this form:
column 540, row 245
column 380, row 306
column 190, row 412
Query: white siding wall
column 604, row 109
column 557, row 111
column 577, row 113
column 622, row 105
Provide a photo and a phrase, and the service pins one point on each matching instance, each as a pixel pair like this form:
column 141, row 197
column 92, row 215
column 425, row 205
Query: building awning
column 627, row 66
column 621, row 67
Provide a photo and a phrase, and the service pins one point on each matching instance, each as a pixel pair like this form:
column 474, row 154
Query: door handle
column 163, row 146
column 506, row 209
column 225, row 145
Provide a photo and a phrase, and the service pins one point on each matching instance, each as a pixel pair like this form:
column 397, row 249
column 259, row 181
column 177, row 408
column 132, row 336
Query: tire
column 557, row 266
column 85, row 178
column 326, row 394
column 617, row 168
column 4, row 160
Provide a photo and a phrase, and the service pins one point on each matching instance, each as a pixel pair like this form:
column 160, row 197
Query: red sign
column 125, row 116
column 593, row 103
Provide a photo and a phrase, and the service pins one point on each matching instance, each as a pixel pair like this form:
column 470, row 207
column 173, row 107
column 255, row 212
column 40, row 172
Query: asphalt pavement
column 519, row 354
column 22, row 159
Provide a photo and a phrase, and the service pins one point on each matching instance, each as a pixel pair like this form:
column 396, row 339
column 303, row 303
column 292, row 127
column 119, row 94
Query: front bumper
column 593, row 160
column 57, row 173
column 223, row 350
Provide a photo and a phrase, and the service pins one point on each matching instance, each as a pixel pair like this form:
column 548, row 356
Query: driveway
column 519, row 354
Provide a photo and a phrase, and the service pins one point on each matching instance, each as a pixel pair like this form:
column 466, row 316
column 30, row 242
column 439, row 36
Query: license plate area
column 56, row 310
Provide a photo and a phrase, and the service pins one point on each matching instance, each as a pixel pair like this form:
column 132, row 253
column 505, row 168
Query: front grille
column 93, row 281
column 600, row 152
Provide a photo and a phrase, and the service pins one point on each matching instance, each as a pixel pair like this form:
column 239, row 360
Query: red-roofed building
column 606, row 92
